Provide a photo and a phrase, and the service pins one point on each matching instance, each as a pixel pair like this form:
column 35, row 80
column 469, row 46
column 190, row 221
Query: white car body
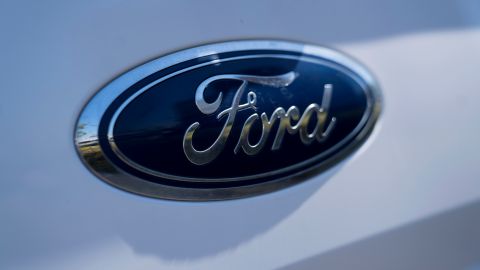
column 408, row 199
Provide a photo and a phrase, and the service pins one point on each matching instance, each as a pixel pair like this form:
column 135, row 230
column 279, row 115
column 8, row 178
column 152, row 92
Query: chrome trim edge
column 87, row 142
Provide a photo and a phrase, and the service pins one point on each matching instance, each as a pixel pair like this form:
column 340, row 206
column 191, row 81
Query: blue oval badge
column 228, row 120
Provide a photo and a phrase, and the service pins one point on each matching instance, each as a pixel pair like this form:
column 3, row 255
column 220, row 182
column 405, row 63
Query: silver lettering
column 285, row 118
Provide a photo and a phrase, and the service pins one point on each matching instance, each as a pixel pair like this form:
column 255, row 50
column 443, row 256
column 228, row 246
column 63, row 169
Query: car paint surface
column 413, row 188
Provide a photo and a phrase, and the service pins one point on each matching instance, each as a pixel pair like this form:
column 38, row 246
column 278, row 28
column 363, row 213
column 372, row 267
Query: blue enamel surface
column 150, row 129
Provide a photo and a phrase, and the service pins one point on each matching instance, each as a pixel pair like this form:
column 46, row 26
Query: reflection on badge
column 228, row 120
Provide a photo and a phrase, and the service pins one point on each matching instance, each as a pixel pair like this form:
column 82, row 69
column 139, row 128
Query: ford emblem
column 228, row 120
